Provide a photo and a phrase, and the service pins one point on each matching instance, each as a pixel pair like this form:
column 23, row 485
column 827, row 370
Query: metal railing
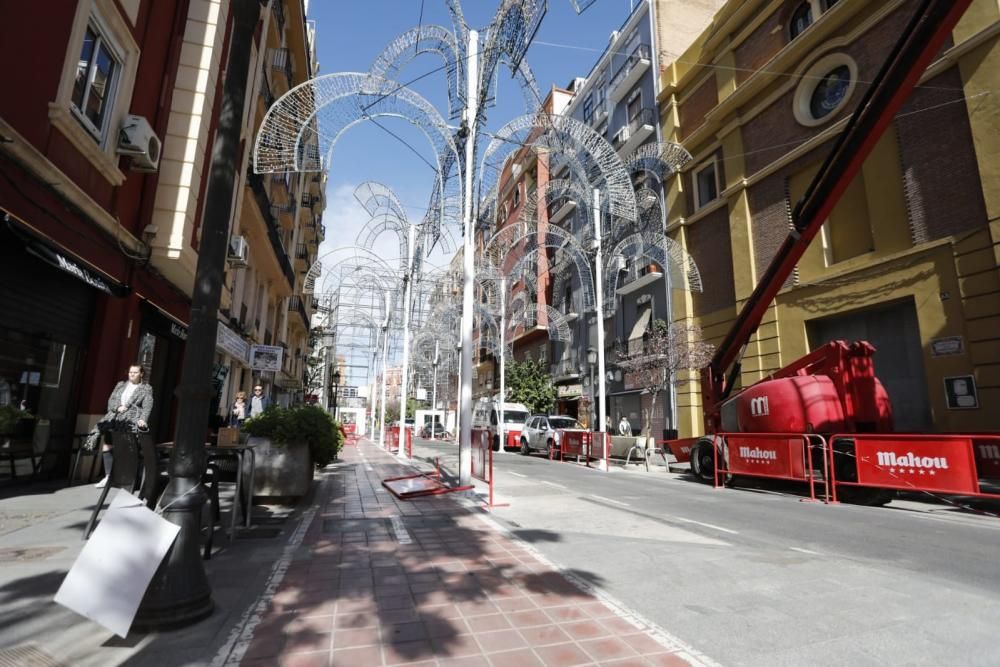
column 645, row 116
column 281, row 59
column 640, row 52
column 278, row 9
column 273, row 235
column 296, row 304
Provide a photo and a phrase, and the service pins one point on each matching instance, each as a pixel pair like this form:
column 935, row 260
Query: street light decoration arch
column 660, row 158
column 608, row 171
column 426, row 39
column 663, row 250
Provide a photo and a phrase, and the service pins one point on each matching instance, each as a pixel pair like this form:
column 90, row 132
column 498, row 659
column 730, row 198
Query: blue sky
column 351, row 33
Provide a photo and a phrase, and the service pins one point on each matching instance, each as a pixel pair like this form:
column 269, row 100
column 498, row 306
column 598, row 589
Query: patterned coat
column 139, row 406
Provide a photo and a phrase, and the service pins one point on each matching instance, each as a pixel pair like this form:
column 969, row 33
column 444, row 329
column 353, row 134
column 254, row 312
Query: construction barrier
column 951, row 464
column 772, row 455
column 350, row 432
column 482, row 461
column 392, row 439
column 409, row 442
column 573, row 443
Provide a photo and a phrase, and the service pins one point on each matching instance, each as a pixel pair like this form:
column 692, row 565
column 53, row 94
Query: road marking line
column 516, row 474
column 706, row 525
column 609, row 500
column 558, row 486
column 805, row 551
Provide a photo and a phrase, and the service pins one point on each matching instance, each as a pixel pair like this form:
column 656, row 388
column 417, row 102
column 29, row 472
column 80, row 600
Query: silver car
column 541, row 433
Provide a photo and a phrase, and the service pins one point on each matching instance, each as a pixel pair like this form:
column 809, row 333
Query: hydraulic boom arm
column 923, row 37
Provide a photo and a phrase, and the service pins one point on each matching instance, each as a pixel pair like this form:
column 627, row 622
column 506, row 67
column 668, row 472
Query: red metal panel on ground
column 942, row 463
column 415, row 486
column 574, row 443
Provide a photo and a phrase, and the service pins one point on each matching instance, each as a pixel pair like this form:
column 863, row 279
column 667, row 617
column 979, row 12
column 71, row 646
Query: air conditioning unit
column 137, row 140
column 239, row 251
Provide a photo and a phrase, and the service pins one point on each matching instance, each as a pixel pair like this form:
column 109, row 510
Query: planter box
column 284, row 471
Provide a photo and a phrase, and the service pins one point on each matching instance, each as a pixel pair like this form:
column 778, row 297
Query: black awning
column 47, row 251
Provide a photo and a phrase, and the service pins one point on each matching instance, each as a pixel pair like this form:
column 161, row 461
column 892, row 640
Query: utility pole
column 469, row 125
column 407, row 284
column 385, row 350
column 503, row 340
column 599, row 291
column 179, row 592
column 434, row 388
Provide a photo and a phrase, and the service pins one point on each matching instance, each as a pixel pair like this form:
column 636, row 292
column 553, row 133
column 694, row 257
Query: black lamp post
column 336, row 388
column 591, row 362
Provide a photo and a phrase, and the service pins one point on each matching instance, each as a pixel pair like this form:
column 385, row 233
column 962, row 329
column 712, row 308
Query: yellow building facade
column 910, row 257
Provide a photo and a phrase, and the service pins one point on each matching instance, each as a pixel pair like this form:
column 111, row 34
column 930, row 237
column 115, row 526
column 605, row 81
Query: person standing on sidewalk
column 259, row 402
column 239, row 412
column 131, row 402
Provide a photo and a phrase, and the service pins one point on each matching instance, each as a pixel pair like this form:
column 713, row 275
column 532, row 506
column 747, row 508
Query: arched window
column 802, row 18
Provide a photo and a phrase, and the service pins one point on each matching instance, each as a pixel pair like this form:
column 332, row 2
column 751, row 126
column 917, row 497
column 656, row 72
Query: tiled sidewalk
column 379, row 581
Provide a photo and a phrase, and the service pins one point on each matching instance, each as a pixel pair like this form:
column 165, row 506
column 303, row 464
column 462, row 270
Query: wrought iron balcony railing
column 639, row 53
column 645, row 116
column 273, row 235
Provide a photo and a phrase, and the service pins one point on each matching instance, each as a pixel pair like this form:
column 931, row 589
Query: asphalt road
column 757, row 577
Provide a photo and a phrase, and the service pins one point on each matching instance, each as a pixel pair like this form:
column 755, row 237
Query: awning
column 641, row 324
column 47, row 251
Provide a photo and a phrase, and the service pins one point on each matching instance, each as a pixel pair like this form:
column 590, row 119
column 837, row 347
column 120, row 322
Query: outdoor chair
column 20, row 445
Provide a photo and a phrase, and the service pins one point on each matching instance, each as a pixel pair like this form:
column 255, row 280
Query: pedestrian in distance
column 608, row 426
column 258, row 402
column 624, row 427
column 239, row 412
column 129, row 405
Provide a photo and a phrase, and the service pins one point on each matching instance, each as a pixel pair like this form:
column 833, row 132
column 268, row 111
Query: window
column 517, row 196
column 802, row 18
column 825, row 89
column 96, row 77
column 588, row 108
column 706, row 185
column 634, row 106
column 805, row 14
column 95, row 86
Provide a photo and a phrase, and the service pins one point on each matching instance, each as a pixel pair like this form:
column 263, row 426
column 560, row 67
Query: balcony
column 296, row 305
column 278, row 9
column 628, row 74
column 280, row 189
column 284, row 214
column 281, row 60
column 639, row 276
column 273, row 235
column 632, row 135
column 564, row 370
column 559, row 209
column 301, row 252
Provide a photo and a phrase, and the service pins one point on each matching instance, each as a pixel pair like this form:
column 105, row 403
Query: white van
column 486, row 417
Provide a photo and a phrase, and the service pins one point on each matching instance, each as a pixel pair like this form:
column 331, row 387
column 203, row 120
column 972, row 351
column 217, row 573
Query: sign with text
column 930, row 463
column 266, row 357
column 231, row 343
column 752, row 455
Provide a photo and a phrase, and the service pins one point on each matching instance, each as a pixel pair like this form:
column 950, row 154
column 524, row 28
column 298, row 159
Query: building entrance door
column 894, row 332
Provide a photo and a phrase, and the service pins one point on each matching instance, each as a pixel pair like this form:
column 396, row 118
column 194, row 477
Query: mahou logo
column 758, row 406
column 756, row 453
column 911, row 460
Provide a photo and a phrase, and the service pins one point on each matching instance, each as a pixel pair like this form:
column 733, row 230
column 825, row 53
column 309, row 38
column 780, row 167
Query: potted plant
column 13, row 420
column 289, row 443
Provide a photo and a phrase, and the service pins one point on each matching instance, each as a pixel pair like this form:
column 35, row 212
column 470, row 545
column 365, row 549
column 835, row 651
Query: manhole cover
column 258, row 533
column 12, row 554
column 28, row 655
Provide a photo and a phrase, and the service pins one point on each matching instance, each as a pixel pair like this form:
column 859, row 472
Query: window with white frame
column 96, row 83
column 706, row 185
column 97, row 73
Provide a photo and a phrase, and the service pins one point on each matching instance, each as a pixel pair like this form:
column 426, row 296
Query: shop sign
column 960, row 392
column 566, row 390
column 230, row 342
column 942, row 347
column 63, row 263
column 178, row 331
column 266, row 357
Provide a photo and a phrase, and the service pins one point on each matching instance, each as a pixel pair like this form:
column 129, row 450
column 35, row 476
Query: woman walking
column 239, row 411
column 131, row 402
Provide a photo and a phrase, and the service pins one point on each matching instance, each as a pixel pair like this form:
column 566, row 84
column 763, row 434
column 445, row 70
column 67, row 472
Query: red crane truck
column 822, row 414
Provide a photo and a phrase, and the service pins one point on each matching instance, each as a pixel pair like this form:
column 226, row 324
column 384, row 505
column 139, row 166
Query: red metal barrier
column 771, row 455
column 392, row 439
column 409, row 442
column 949, row 464
column 482, row 461
column 575, row 443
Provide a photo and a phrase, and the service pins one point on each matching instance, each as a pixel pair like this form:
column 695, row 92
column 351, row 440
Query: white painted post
column 471, row 112
column 599, row 290
column 434, row 388
column 385, row 350
column 407, row 284
column 503, row 346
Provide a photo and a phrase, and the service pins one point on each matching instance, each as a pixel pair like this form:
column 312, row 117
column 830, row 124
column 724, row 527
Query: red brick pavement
column 379, row 581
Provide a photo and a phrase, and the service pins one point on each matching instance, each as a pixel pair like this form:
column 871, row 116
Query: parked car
column 486, row 417
column 439, row 429
column 542, row 432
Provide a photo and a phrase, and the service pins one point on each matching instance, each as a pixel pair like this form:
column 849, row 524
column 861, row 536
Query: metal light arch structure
column 660, row 158
column 612, row 177
column 659, row 248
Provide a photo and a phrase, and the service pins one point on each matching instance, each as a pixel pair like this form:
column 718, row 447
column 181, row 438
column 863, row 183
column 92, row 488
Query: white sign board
column 265, row 357
column 230, row 342
column 111, row 574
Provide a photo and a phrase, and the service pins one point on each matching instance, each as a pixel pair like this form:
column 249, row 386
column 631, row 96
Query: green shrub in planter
column 305, row 423
column 10, row 416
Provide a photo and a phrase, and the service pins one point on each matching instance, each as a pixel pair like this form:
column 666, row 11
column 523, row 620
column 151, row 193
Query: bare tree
column 654, row 362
